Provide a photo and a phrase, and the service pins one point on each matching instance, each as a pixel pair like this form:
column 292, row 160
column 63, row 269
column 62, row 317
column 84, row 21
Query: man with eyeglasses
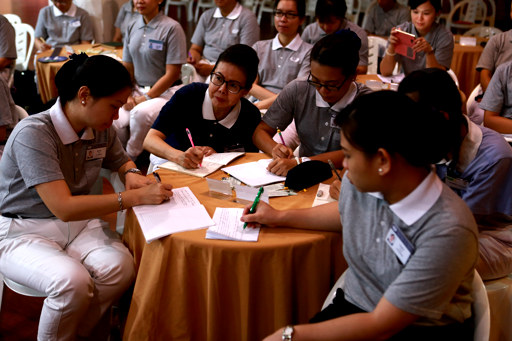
column 217, row 115
column 313, row 103
column 62, row 23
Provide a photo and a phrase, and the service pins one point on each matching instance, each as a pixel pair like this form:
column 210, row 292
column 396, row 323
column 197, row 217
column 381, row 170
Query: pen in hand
column 281, row 136
column 254, row 204
column 157, row 177
column 190, row 139
column 334, row 169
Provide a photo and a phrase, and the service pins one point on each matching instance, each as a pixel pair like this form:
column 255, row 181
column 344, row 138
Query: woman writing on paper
column 433, row 44
column 50, row 239
column 410, row 242
column 217, row 115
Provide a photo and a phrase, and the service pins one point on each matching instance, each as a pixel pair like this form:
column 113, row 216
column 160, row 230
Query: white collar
column 63, row 127
column 294, row 45
column 411, row 208
column 469, row 146
column 342, row 102
column 70, row 13
column 235, row 13
column 227, row 121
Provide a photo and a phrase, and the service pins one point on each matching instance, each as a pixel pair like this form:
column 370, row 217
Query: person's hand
column 204, row 69
column 207, row 151
column 393, row 40
column 191, row 158
column 193, row 57
column 130, row 103
column 281, row 166
column 154, row 194
column 334, row 189
column 134, row 180
column 264, row 215
column 421, row 45
column 277, row 336
column 281, row 151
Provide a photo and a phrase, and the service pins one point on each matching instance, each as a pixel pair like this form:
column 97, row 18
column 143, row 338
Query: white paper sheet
column 254, row 173
column 322, row 195
column 228, row 226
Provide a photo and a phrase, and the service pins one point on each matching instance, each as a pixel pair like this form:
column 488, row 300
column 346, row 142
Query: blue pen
column 254, row 204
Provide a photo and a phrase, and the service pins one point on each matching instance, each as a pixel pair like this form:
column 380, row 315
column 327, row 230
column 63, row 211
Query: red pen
column 190, row 138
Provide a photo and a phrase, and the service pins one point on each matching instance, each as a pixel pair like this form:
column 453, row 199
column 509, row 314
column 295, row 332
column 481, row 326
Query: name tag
column 295, row 59
column 235, row 31
column 156, row 44
column 75, row 23
column 456, row 183
column 95, row 153
column 399, row 243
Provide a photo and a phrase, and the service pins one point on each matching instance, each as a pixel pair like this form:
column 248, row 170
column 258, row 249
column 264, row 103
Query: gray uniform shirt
column 313, row 116
column 153, row 46
column 44, row 148
column 498, row 96
column 441, row 41
column 280, row 65
column 70, row 28
column 497, row 51
column 380, row 23
column 436, row 281
column 313, row 33
column 125, row 17
column 215, row 33
column 7, row 39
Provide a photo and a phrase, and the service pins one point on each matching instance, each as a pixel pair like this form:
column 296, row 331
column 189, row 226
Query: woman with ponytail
column 51, row 239
column 409, row 241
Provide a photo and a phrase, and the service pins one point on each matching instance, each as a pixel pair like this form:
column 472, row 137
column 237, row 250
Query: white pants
column 82, row 266
column 139, row 120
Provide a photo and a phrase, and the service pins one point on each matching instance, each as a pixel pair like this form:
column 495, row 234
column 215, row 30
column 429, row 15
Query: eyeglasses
column 218, row 79
column 288, row 15
column 318, row 85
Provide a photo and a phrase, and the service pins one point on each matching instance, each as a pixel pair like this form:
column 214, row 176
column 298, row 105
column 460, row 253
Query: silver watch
column 287, row 333
column 133, row 170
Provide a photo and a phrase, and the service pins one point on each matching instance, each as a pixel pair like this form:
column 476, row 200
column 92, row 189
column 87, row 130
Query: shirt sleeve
column 250, row 30
column 199, row 32
column 280, row 113
column 489, row 55
column 369, row 20
column 494, row 96
column 86, row 29
column 176, row 46
column 444, row 50
column 40, row 31
column 305, row 68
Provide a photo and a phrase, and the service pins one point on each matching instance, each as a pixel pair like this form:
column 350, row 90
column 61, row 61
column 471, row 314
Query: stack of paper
column 254, row 173
column 228, row 226
column 209, row 164
column 183, row 212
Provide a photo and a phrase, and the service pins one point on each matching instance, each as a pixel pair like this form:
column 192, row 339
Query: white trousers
column 82, row 266
column 139, row 120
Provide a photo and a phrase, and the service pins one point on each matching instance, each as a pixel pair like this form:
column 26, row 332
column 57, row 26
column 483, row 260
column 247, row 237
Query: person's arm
column 496, row 122
column 485, row 78
column 172, row 73
column 387, row 65
column 266, row 103
column 194, row 54
column 421, row 45
column 362, row 69
column 281, row 166
column 383, row 322
column 260, row 92
column 5, row 62
column 41, row 44
column 262, row 139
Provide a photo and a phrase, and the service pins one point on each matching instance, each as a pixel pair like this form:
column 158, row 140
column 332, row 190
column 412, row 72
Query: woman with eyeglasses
column 217, row 115
column 218, row 28
column 433, row 43
column 284, row 58
column 62, row 23
column 313, row 103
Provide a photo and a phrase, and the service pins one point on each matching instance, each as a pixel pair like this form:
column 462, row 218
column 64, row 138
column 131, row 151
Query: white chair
column 443, row 17
column 310, row 9
column 491, row 16
column 374, row 45
column 266, row 6
column 13, row 18
column 475, row 113
column 483, row 31
column 188, row 4
column 17, row 288
column 25, row 38
column 339, row 283
column 499, row 293
column 188, row 73
column 205, row 4
column 454, row 76
column 467, row 14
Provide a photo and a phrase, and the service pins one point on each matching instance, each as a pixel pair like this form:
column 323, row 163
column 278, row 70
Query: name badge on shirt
column 399, row 243
column 295, row 59
column 75, row 23
column 94, row 153
column 156, row 44
column 235, row 31
column 456, row 183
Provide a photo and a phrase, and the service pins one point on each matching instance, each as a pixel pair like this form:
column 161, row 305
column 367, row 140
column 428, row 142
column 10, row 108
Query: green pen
column 254, row 204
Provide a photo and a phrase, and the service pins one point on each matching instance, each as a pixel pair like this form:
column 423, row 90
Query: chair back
column 467, row 14
column 203, row 4
column 483, row 31
column 25, row 38
column 188, row 73
column 481, row 310
column 189, row 4
column 13, row 18
column 339, row 283
column 374, row 45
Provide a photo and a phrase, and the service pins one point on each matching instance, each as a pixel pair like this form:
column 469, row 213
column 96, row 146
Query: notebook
column 405, row 44
column 209, row 165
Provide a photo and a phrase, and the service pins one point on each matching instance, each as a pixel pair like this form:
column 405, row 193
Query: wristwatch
column 287, row 333
column 133, row 170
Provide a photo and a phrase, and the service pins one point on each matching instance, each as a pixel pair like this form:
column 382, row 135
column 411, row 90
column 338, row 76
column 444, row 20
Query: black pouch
column 307, row 174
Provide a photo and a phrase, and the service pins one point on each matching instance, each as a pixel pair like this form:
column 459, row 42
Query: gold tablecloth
column 464, row 63
column 191, row 288
column 46, row 71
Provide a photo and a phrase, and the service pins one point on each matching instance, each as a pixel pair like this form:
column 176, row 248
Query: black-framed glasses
column 327, row 87
column 218, row 79
column 288, row 15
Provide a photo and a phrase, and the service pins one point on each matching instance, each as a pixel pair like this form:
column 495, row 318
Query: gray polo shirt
column 313, row 33
column 436, row 281
column 441, row 41
column 215, row 33
column 497, row 51
column 153, row 46
column 125, row 17
column 498, row 96
column 378, row 22
column 60, row 28
column 44, row 148
column 280, row 65
column 7, row 39
column 313, row 116
column 8, row 114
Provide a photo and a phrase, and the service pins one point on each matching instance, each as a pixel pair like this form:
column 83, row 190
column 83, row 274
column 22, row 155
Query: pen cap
column 307, row 174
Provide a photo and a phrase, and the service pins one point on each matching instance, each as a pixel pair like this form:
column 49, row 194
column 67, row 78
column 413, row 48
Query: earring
column 83, row 102
column 380, row 170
